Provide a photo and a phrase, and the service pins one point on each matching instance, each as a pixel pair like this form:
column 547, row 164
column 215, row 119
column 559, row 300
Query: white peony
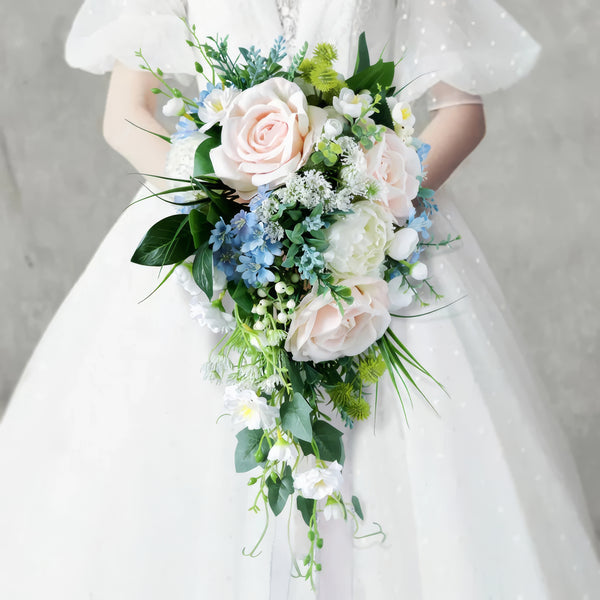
column 210, row 316
column 400, row 294
column 352, row 105
column 283, row 451
column 215, row 105
column 359, row 240
column 403, row 244
column 318, row 483
column 419, row 271
column 249, row 410
column 175, row 107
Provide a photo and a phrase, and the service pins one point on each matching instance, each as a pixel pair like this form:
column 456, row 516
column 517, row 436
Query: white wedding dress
column 116, row 482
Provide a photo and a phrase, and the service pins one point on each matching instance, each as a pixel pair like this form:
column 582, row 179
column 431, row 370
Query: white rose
column 403, row 244
column 352, row 105
column 210, row 316
column 318, row 483
column 358, row 241
column 175, row 107
column 320, row 332
column 215, row 105
column 419, row 271
column 332, row 129
column 400, row 294
column 249, row 410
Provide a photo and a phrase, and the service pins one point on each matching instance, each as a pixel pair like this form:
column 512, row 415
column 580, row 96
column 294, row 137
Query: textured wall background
column 529, row 193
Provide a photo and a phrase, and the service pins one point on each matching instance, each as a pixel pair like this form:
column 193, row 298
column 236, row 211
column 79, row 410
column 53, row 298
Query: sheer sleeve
column 473, row 46
column 105, row 31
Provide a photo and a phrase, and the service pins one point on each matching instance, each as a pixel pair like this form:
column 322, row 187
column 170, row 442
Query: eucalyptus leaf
column 279, row 491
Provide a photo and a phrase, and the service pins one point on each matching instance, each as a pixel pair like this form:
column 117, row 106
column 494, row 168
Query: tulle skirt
column 117, row 482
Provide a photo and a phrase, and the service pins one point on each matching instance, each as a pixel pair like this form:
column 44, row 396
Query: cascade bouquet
column 300, row 208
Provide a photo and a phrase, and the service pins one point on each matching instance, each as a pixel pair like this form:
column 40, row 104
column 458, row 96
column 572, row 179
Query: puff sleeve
column 105, row 31
column 474, row 46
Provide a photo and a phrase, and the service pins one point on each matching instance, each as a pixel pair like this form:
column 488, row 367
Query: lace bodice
column 472, row 45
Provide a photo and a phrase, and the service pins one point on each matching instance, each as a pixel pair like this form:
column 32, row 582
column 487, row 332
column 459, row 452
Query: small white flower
column 332, row 129
column 352, row 105
column 318, row 483
column 400, row 294
column 210, row 316
column 419, row 271
column 403, row 244
column 175, row 107
column 283, row 451
column 215, row 105
column 249, row 410
column 332, row 509
column 180, row 158
column 186, row 280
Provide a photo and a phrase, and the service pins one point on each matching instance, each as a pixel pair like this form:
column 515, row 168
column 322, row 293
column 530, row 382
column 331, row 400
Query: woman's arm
column 130, row 98
column 453, row 133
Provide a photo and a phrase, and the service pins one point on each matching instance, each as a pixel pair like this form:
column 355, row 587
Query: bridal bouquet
column 298, row 237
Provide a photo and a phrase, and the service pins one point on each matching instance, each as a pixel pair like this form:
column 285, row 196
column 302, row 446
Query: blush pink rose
column 268, row 133
column 320, row 332
column 395, row 166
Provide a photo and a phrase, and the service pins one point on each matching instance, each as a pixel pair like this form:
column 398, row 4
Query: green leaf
column 357, row 507
column 245, row 451
column 158, row 135
column 240, row 294
column 306, row 508
column 328, row 440
column 295, row 417
column 202, row 163
column 202, row 269
column 280, row 490
column 167, row 242
column 384, row 116
column 294, row 373
column 379, row 74
column 363, row 61
column 199, row 227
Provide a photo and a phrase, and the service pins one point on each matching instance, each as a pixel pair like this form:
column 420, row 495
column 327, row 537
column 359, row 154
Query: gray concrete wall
column 61, row 188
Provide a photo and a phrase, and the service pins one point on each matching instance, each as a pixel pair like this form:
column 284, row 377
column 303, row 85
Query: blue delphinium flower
column 310, row 260
column 184, row 129
column 420, row 224
column 221, row 236
column 422, row 152
column 262, row 194
column 227, row 260
column 253, row 272
column 243, row 224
